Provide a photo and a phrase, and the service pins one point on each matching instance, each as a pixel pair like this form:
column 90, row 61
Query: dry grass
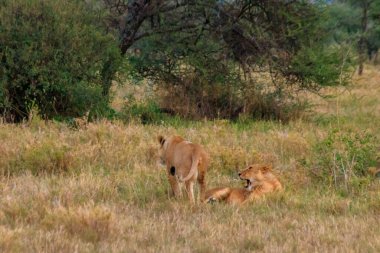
column 98, row 189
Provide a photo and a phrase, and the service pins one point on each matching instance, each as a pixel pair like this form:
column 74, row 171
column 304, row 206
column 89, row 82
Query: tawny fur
column 260, row 181
column 190, row 162
column 82, row 122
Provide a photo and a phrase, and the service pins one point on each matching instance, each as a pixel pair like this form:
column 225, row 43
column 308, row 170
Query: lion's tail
column 194, row 166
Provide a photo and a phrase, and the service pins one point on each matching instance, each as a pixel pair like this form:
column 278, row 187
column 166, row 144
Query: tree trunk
column 363, row 40
column 375, row 60
column 132, row 22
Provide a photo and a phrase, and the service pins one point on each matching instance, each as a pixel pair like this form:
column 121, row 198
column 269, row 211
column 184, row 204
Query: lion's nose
column 239, row 174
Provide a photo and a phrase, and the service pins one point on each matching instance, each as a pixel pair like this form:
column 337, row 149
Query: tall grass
column 99, row 188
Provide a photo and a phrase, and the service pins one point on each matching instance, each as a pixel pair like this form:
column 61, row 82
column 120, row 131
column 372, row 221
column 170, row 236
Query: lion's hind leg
column 190, row 190
column 202, row 185
column 176, row 189
column 217, row 194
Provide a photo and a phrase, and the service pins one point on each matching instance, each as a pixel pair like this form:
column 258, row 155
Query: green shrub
column 344, row 157
column 55, row 55
column 323, row 66
column 145, row 113
column 219, row 73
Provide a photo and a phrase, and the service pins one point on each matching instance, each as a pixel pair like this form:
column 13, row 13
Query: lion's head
column 255, row 174
column 161, row 150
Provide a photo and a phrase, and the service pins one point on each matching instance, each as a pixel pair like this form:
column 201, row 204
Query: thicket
column 205, row 58
column 356, row 23
column 55, row 56
column 225, row 59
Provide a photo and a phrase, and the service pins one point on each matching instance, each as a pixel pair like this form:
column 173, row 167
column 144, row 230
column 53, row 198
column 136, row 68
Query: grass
column 99, row 189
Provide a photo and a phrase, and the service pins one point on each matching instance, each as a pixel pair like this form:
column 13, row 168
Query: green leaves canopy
column 54, row 55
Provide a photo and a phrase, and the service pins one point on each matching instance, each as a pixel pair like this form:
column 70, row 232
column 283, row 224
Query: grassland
column 99, row 189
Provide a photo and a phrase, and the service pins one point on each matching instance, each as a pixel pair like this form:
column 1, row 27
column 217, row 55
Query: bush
column 197, row 98
column 343, row 158
column 145, row 113
column 218, row 73
column 323, row 66
column 54, row 55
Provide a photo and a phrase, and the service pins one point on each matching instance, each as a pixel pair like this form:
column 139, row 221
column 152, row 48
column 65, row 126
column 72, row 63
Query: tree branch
column 174, row 29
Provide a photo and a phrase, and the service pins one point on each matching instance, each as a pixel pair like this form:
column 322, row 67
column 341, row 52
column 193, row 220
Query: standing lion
column 185, row 162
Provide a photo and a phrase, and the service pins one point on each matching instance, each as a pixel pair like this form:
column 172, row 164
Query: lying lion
column 260, row 180
column 185, row 162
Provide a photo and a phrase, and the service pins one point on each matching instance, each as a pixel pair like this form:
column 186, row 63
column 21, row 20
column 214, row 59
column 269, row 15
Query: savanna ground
column 99, row 189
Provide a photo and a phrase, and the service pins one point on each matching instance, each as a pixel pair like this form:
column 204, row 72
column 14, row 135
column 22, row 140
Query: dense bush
column 54, row 55
column 215, row 70
column 146, row 113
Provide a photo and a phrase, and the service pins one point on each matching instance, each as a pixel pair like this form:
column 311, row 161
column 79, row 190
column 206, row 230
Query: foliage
column 323, row 66
column 55, row 55
column 344, row 157
column 356, row 23
column 344, row 22
column 147, row 113
column 204, row 53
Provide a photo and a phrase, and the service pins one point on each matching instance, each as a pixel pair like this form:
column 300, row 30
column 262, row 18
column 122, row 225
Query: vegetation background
column 86, row 86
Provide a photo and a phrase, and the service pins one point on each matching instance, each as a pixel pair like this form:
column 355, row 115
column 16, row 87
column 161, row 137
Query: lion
column 375, row 172
column 185, row 162
column 260, row 181
column 82, row 122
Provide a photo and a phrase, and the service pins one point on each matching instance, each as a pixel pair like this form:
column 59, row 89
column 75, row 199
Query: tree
column 55, row 55
column 374, row 36
column 202, row 47
column 363, row 41
column 360, row 21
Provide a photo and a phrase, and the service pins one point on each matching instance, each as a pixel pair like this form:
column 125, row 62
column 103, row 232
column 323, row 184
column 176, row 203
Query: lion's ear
column 266, row 168
column 161, row 140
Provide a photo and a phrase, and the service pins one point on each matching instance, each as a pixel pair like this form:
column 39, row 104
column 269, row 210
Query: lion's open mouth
column 249, row 184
